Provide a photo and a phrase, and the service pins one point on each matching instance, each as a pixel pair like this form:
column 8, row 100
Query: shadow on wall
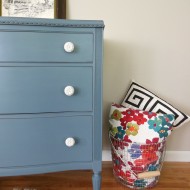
column 113, row 62
column 123, row 63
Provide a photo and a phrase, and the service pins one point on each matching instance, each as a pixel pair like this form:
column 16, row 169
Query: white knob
column 70, row 142
column 69, row 47
column 69, row 90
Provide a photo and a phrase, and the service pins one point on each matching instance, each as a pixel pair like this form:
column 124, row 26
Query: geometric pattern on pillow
column 138, row 97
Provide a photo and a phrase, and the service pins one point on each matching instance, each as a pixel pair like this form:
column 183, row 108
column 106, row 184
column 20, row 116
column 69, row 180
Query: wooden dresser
column 50, row 96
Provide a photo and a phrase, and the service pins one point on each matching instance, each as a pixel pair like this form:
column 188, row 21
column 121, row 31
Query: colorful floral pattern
column 130, row 159
column 139, row 126
column 137, row 141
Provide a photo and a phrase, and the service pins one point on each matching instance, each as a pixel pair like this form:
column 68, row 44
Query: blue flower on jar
column 135, row 151
column 140, row 183
column 153, row 167
column 167, row 119
column 155, row 124
column 120, row 133
column 163, row 132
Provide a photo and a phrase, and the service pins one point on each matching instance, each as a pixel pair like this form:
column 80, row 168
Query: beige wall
column 148, row 41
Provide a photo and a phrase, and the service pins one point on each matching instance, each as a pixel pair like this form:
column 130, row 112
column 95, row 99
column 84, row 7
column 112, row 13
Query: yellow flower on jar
column 116, row 115
column 132, row 129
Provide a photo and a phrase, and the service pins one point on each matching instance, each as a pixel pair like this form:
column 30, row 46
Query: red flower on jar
column 150, row 157
column 139, row 119
column 149, row 148
column 125, row 120
column 128, row 112
column 128, row 176
column 136, row 168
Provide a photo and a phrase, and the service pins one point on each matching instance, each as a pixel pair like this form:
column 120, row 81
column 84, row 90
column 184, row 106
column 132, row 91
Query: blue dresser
column 50, row 96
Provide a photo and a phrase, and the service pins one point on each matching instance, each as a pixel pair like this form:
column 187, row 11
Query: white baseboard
column 106, row 155
column 177, row 156
column 172, row 156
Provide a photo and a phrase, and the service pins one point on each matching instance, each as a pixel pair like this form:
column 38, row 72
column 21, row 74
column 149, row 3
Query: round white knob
column 69, row 47
column 69, row 90
column 70, row 142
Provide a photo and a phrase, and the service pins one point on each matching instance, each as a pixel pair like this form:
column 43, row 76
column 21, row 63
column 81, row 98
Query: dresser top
column 51, row 22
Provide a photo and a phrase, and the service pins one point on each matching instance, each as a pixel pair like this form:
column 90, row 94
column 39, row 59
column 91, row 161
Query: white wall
column 148, row 41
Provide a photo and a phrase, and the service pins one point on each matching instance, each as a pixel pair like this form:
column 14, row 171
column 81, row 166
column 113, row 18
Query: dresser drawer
column 34, row 46
column 41, row 89
column 35, row 141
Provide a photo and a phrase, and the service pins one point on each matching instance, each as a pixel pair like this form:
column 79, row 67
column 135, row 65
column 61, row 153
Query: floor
column 174, row 176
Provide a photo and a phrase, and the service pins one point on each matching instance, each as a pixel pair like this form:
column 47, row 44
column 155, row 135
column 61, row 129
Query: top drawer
column 38, row 46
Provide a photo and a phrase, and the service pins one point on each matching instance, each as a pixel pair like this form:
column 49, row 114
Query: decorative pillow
column 139, row 126
column 140, row 98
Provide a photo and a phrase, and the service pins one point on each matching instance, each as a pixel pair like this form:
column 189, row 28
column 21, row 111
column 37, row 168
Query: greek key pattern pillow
column 140, row 98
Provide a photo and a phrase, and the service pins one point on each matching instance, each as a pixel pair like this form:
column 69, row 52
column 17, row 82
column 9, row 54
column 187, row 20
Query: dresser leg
column 96, row 180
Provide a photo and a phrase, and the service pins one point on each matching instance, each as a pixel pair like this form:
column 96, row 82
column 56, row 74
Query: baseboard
column 177, row 156
column 172, row 156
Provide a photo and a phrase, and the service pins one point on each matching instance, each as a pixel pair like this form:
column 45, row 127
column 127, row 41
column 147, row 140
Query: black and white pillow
column 140, row 98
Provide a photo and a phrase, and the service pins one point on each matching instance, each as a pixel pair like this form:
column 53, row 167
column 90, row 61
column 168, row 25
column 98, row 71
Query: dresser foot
column 96, row 180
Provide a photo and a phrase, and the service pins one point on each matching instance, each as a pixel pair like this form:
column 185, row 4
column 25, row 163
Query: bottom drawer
column 36, row 141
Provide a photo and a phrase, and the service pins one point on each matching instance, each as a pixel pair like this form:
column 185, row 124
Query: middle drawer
column 41, row 89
